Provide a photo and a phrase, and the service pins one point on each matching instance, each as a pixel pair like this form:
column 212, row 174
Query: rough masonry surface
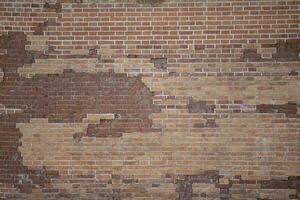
column 149, row 99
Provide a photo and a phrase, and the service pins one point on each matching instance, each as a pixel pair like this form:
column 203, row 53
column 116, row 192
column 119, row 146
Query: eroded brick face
column 149, row 99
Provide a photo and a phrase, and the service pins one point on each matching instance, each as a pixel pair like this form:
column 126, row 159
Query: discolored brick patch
column 68, row 97
column 40, row 28
column 285, row 51
column 201, row 106
column 290, row 109
column 13, row 172
column 288, row 50
column 214, row 185
column 53, row 7
column 16, row 56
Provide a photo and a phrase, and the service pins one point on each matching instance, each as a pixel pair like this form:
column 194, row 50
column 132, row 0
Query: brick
column 149, row 99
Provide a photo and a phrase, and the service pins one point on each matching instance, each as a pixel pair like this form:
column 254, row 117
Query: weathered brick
column 149, row 99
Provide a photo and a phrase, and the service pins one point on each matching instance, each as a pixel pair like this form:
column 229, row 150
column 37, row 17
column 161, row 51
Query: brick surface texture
column 150, row 99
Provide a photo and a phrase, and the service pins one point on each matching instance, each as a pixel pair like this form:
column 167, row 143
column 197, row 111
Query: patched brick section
column 132, row 56
column 53, row 7
column 288, row 188
column 283, row 51
column 201, row 106
column 293, row 182
column 150, row 2
column 240, row 57
column 251, row 55
column 4, row 110
column 56, row 97
column 185, row 184
column 199, row 47
column 289, row 109
column 38, row 44
column 215, row 186
column 159, row 63
column 13, row 172
column 16, row 55
column 69, row 97
column 40, row 28
column 288, row 50
column 84, row 54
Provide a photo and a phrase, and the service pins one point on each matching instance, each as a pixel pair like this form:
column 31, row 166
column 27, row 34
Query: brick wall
column 149, row 99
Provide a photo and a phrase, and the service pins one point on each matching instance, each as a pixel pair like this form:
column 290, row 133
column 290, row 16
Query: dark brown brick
column 289, row 109
column 288, row 50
